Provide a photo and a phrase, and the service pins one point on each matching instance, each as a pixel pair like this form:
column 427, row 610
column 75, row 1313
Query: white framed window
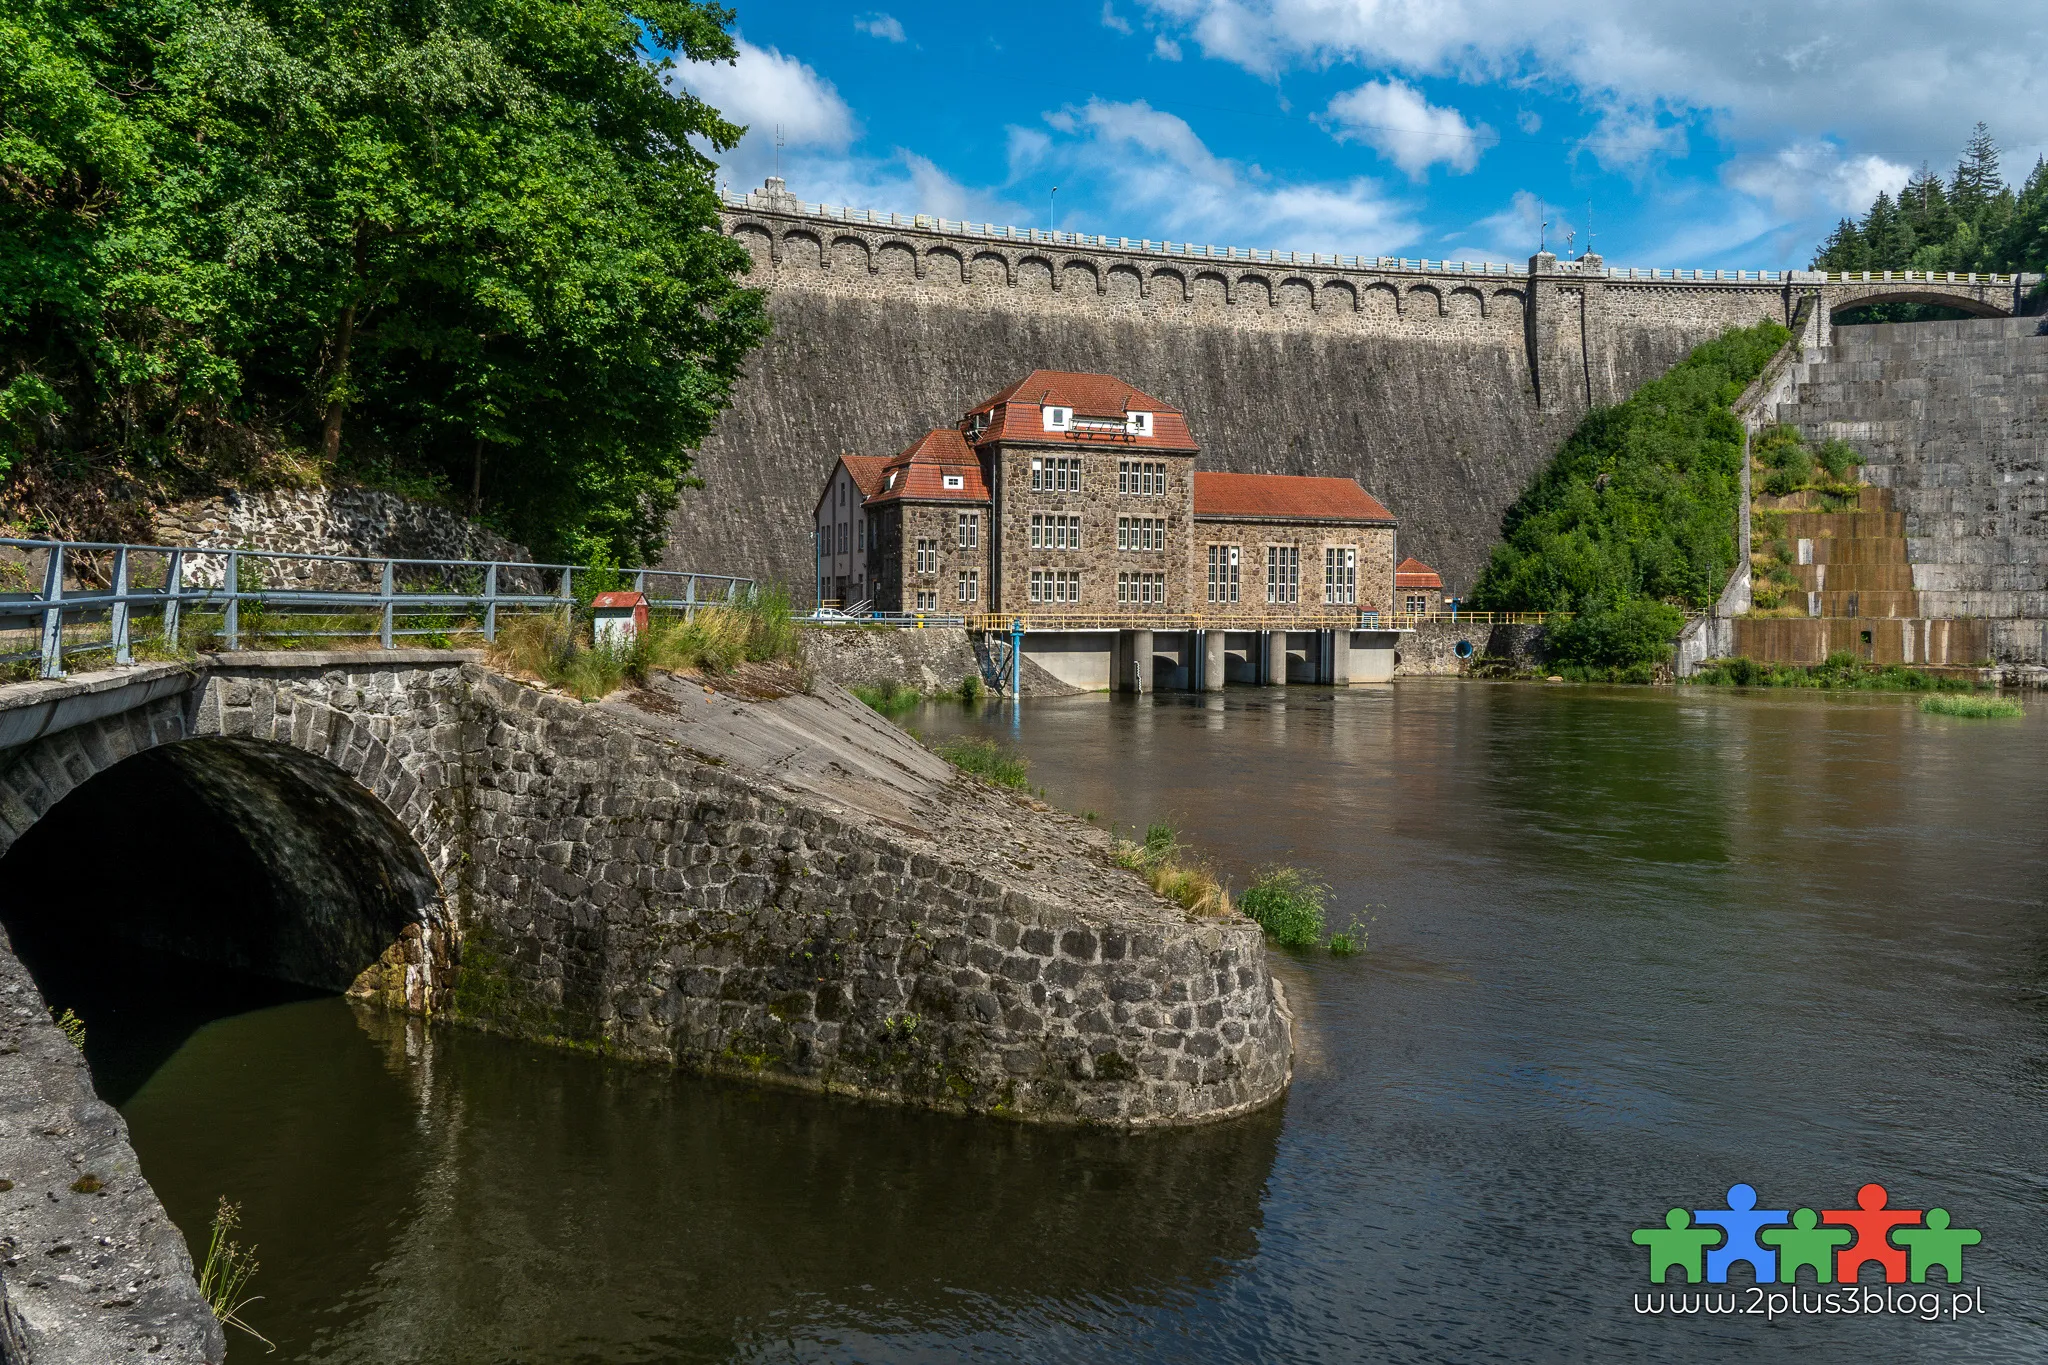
column 953, row 480
column 1223, row 574
column 970, row 585
column 927, row 599
column 1417, row 604
column 1141, row 478
column 1056, row 585
column 1058, row 418
column 1055, row 531
column 927, row 556
column 970, row 530
column 1340, row 575
column 1283, row 573
column 1141, row 533
column 1140, row 589
column 1138, row 423
column 1056, row 474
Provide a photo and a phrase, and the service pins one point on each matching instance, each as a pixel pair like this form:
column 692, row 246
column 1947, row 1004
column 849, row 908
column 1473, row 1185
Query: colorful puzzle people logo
column 1835, row 1244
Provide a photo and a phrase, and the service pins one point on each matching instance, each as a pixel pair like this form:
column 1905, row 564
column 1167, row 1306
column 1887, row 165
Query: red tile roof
column 1286, row 497
column 1014, row 414
column 919, row 471
column 1413, row 573
column 866, row 471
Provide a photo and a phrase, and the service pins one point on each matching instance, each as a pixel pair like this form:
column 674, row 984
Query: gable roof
column 1014, row 414
column 1413, row 573
column 864, row 470
column 918, row 472
column 1286, row 497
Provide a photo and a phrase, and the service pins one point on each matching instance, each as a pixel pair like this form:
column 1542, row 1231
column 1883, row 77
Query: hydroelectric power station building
column 1076, row 496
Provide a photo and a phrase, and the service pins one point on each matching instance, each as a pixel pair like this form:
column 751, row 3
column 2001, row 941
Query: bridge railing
column 67, row 598
column 925, row 222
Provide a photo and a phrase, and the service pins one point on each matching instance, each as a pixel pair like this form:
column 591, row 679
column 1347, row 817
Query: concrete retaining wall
column 1431, row 651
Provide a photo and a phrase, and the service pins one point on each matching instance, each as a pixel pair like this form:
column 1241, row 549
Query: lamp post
column 1052, row 214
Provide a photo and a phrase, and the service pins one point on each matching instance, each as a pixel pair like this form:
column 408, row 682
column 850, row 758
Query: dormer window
column 955, row 480
column 977, row 424
column 889, row 482
column 1058, row 419
column 1138, row 423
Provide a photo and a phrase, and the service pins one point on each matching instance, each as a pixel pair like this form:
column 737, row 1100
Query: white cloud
column 1899, row 78
column 1163, row 181
column 766, row 90
column 1166, row 48
column 879, row 25
column 1395, row 120
column 1807, row 178
column 1112, row 20
column 1629, row 139
column 1529, row 121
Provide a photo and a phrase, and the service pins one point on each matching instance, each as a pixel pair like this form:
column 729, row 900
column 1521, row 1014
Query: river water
column 1626, row 948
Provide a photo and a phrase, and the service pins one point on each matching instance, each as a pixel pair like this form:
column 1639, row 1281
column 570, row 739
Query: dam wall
column 1442, row 391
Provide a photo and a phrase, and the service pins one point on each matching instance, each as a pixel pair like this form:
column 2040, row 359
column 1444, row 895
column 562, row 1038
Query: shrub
column 1350, row 942
column 970, row 690
column 1289, row 905
column 1629, row 637
column 1977, row 708
column 986, row 759
column 1840, row 671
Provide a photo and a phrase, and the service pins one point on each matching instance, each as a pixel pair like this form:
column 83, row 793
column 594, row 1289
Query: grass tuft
column 712, row 640
column 1289, row 905
column 1976, row 708
column 224, row 1279
column 888, row 696
column 987, row 759
column 73, row 1029
column 1168, row 867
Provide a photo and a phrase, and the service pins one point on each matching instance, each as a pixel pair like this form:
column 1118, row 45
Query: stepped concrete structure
column 1944, row 559
column 1442, row 386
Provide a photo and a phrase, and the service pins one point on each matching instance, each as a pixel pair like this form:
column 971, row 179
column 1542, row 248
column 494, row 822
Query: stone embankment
column 931, row 660
column 91, row 1270
column 1432, row 650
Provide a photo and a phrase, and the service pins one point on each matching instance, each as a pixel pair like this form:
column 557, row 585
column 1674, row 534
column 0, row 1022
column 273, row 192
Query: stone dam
column 759, row 881
column 1441, row 390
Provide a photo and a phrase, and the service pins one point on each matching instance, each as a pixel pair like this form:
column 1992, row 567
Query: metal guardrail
column 84, row 584
column 913, row 620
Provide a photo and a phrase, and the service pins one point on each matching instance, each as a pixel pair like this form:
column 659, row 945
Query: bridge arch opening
column 1911, row 305
column 206, row 877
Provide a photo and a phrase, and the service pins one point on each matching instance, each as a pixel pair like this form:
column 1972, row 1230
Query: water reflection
column 437, row 1195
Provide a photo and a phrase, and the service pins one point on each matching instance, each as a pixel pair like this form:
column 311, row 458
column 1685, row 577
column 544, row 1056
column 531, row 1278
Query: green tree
column 472, row 244
column 1636, row 515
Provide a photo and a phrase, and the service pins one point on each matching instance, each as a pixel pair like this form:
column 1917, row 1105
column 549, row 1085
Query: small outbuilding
column 616, row 617
column 1418, row 589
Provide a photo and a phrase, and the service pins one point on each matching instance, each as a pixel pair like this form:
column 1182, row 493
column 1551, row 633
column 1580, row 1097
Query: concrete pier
column 1213, row 660
column 1276, row 658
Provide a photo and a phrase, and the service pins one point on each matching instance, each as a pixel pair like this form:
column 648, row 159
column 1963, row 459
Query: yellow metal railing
column 1200, row 619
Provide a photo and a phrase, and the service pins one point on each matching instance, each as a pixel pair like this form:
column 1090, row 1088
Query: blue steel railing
column 80, row 585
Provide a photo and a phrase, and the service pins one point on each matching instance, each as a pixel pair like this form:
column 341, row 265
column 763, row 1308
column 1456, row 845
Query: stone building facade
column 1077, row 494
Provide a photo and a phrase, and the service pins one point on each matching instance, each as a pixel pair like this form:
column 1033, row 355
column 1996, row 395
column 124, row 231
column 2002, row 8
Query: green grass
column 888, row 696
column 1289, row 905
column 1978, row 708
column 987, row 759
column 713, row 640
column 1841, row 672
column 1348, row 943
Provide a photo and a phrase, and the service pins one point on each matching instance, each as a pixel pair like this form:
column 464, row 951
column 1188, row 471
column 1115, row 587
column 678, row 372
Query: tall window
column 927, row 556
column 1141, row 478
column 970, row 530
column 1283, row 573
column 1056, row 474
column 1140, row 589
column 1055, row 531
column 1141, row 533
column 860, row 535
column 1223, row 573
column 1417, row 604
column 927, row 599
column 970, row 585
column 1056, row 585
column 1340, row 574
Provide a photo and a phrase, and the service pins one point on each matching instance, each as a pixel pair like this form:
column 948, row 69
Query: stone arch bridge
column 1442, row 386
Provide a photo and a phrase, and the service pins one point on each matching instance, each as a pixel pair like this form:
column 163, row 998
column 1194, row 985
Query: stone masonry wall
column 332, row 521
column 611, row 876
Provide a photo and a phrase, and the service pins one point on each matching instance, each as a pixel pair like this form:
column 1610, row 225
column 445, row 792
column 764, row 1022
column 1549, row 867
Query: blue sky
column 1728, row 135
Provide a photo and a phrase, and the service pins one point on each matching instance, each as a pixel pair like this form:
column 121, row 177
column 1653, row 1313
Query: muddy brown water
column 1626, row 948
